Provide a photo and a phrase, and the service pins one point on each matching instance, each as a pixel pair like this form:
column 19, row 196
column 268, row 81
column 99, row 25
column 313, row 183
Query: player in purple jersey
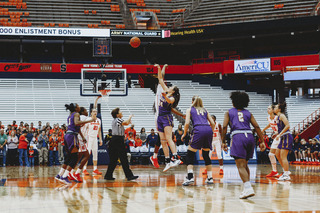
column 286, row 140
column 201, row 137
column 71, row 141
column 242, row 142
column 169, row 99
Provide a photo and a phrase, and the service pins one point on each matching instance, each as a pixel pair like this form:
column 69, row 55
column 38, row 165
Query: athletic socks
column 78, row 171
column 62, row 170
column 190, row 174
column 273, row 161
column 66, row 173
column 286, row 173
column 155, row 155
column 175, row 156
column 221, row 167
column 209, row 174
column 167, row 160
column 95, row 168
column 247, row 185
column 85, row 167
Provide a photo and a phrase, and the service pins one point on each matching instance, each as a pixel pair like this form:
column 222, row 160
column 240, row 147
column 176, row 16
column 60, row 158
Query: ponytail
column 176, row 96
column 71, row 107
column 282, row 106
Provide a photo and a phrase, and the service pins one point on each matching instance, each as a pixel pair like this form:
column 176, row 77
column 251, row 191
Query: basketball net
column 105, row 94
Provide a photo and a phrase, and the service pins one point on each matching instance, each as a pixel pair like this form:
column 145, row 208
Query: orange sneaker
column 97, row 172
column 154, row 162
column 221, row 172
column 205, row 172
column 71, row 177
column 272, row 174
column 77, row 177
column 85, row 172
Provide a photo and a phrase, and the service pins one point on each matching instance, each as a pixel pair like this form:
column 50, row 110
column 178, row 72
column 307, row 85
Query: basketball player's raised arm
column 160, row 77
column 225, row 127
column 96, row 102
column 127, row 122
column 259, row 133
column 186, row 124
column 78, row 122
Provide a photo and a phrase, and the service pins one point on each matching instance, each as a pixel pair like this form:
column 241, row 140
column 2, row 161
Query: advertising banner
column 54, row 32
column 253, row 65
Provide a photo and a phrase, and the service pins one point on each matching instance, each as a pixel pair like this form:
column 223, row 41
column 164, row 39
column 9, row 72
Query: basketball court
column 26, row 189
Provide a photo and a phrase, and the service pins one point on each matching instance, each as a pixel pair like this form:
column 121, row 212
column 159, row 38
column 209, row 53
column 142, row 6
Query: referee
column 117, row 146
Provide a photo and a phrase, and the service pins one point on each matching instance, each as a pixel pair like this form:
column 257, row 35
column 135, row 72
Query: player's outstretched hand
column 165, row 66
column 182, row 137
column 157, row 65
column 262, row 147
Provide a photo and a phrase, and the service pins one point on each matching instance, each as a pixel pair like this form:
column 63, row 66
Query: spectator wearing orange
column 130, row 139
column 53, row 150
column 138, row 141
column 13, row 129
column 130, row 129
column 32, row 127
column 14, row 124
column 23, row 148
column 31, row 156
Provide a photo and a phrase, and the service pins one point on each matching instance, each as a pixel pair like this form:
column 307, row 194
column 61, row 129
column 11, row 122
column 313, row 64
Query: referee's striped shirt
column 117, row 128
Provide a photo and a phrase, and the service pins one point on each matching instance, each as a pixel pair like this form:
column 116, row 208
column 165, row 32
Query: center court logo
column 255, row 65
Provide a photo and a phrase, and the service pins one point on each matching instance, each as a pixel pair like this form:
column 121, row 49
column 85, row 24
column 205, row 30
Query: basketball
column 135, row 42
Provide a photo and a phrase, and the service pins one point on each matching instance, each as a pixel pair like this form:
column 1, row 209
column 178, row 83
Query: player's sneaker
column 85, row 172
column 66, row 180
column 97, row 172
column 188, row 182
column 209, row 181
column 175, row 162
column 167, row 167
column 71, row 177
column 78, row 178
column 154, row 162
column 284, row 177
column 272, row 174
column 58, row 178
column 205, row 172
column 221, row 172
column 247, row 193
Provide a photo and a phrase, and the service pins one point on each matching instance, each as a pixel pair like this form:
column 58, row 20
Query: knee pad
column 205, row 155
column 73, row 160
column 190, row 157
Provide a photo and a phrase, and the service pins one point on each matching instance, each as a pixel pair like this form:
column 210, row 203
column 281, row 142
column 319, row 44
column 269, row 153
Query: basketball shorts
column 242, row 146
column 286, row 142
column 201, row 138
column 163, row 121
column 217, row 145
column 275, row 144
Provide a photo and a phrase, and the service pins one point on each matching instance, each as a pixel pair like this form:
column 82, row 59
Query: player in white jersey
column 217, row 144
column 93, row 130
column 272, row 119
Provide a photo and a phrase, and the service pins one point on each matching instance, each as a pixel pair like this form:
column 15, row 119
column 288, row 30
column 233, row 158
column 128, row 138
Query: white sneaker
column 168, row 166
column 176, row 163
column 284, row 177
column 187, row 182
column 247, row 193
column 209, row 181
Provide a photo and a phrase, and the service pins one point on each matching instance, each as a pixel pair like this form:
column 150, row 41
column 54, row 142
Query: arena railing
column 303, row 125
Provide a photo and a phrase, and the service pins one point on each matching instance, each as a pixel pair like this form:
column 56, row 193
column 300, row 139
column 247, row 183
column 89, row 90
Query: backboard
column 93, row 80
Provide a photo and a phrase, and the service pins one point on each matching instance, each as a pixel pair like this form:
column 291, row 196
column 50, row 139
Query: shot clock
column 102, row 47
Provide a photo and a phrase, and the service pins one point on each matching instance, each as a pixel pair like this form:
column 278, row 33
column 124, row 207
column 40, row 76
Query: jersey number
column 200, row 112
column 95, row 128
column 69, row 121
column 240, row 116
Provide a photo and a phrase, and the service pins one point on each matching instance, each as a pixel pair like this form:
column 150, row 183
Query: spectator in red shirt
column 53, row 149
column 14, row 124
column 23, row 147
column 130, row 129
column 138, row 141
column 130, row 140
column 31, row 156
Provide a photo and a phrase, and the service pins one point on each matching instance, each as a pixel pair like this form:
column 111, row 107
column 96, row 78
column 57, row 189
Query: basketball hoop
column 105, row 94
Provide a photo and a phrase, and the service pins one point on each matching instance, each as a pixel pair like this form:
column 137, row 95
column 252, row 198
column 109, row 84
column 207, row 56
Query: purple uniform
column 242, row 143
column 202, row 132
column 165, row 117
column 286, row 140
column 71, row 137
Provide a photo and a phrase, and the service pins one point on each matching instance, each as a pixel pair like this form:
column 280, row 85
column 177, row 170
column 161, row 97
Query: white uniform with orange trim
column 216, row 141
column 157, row 102
column 83, row 129
column 274, row 127
column 92, row 137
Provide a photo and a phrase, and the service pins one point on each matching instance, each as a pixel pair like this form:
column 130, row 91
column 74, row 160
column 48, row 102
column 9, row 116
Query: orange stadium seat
column 90, row 25
column 94, row 12
column 86, row 12
column 52, row 24
column 66, row 25
column 46, row 24
column 26, row 13
column 95, row 26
